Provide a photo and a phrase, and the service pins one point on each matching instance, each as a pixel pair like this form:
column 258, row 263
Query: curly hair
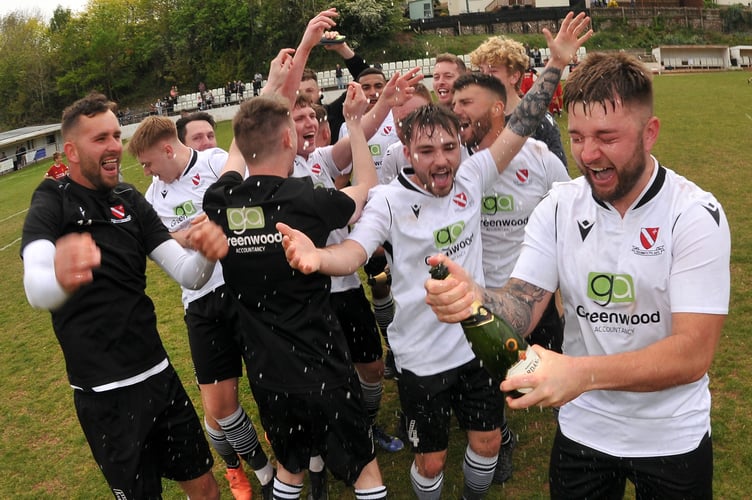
column 501, row 51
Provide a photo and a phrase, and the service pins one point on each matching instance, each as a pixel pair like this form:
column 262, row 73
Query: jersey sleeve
column 537, row 263
column 154, row 231
column 372, row 229
column 216, row 161
column 556, row 171
column 700, row 272
column 548, row 132
column 44, row 219
column 335, row 208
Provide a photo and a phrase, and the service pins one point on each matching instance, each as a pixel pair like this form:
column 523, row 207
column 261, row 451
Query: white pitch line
column 13, row 215
column 2, row 249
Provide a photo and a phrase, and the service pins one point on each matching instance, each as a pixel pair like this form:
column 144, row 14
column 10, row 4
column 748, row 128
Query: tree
column 25, row 70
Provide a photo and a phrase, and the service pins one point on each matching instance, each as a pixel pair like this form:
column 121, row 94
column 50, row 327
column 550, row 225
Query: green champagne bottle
column 492, row 339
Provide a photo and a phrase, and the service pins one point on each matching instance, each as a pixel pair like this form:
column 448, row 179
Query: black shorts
column 215, row 346
column 144, row 432
column 577, row 471
column 427, row 403
column 357, row 321
column 332, row 422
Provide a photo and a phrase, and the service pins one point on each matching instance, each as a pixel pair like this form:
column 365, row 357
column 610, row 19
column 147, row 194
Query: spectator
column 228, row 93
column 20, row 157
column 258, row 79
column 537, row 57
column 338, row 75
column 58, row 170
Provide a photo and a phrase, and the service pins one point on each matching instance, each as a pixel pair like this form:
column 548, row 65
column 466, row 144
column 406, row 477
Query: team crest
column 522, row 176
column 118, row 214
column 648, row 242
column 460, row 200
column 648, row 237
column 196, row 179
column 316, row 169
column 118, row 211
column 387, row 130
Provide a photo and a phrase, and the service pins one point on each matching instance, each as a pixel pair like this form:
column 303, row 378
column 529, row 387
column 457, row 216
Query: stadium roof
column 22, row 134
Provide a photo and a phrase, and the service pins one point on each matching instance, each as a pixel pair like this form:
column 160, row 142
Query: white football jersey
column 508, row 204
column 182, row 200
column 414, row 224
column 320, row 167
column 385, row 136
column 621, row 278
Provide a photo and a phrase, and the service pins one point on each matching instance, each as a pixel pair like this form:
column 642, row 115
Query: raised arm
column 235, row 161
column 364, row 171
column 397, row 91
column 279, row 74
column 311, row 37
column 534, row 105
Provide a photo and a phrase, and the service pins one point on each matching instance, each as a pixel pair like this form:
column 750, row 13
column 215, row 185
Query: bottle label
column 528, row 363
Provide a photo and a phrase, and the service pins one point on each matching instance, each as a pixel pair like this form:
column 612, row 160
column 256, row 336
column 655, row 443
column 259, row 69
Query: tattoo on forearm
column 514, row 303
column 528, row 114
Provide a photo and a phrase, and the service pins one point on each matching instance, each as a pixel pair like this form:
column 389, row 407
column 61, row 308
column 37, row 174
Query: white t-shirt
column 180, row 201
column 379, row 142
column 394, row 161
column 508, row 204
column 321, row 168
column 621, row 279
column 413, row 225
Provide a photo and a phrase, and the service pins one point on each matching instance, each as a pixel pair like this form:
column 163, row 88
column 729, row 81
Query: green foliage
column 370, row 19
column 134, row 50
column 736, row 18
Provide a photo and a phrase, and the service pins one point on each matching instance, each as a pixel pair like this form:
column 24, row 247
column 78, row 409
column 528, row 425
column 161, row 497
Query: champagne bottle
column 493, row 340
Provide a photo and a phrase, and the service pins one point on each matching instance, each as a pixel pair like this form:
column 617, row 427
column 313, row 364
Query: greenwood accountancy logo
column 187, row 208
column 607, row 288
column 244, row 218
column 448, row 235
column 497, row 203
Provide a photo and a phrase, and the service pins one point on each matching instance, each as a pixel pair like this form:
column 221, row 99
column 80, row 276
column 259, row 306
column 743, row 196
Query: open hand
column 564, row 47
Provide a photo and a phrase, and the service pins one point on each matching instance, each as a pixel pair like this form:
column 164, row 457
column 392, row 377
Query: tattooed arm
column 519, row 303
column 533, row 107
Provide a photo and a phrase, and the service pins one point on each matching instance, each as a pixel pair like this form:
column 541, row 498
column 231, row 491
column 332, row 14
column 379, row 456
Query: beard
column 479, row 128
column 626, row 178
